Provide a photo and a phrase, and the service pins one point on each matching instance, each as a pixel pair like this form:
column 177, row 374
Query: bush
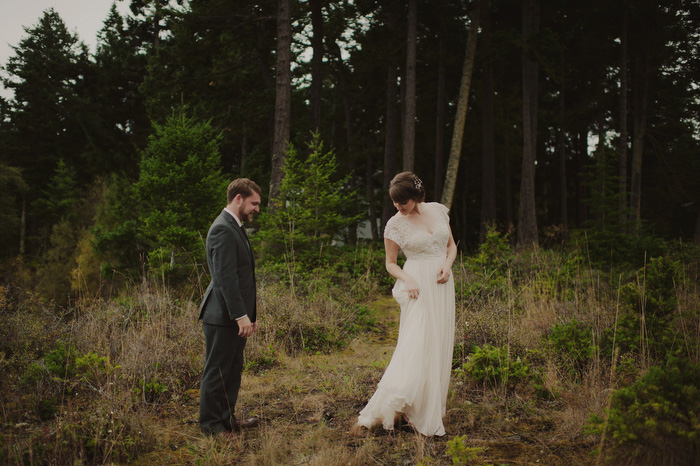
column 495, row 367
column 311, row 209
column 493, row 260
column 180, row 189
column 647, row 310
column 572, row 342
column 657, row 419
column 622, row 249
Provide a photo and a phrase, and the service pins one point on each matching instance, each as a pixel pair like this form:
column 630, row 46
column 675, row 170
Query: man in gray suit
column 228, row 310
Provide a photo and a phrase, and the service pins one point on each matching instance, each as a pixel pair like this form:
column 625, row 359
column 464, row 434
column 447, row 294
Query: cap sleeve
column 392, row 231
column 442, row 211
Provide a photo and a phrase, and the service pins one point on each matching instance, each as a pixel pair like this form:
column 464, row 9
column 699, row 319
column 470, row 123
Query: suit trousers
column 221, row 378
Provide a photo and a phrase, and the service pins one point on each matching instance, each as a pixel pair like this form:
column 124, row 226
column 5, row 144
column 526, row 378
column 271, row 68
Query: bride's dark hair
column 405, row 187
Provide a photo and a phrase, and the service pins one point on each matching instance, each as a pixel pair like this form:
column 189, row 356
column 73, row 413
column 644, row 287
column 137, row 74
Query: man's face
column 249, row 206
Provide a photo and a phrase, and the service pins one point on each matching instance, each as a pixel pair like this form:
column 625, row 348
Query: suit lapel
column 240, row 232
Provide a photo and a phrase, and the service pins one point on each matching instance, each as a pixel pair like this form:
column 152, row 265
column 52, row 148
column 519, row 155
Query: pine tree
column 180, row 188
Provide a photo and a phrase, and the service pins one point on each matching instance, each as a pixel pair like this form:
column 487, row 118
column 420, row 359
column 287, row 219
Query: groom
column 228, row 311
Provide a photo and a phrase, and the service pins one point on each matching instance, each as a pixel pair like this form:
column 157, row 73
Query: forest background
column 563, row 128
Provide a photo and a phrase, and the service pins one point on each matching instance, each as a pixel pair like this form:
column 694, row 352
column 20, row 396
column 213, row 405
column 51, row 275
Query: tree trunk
column 581, row 190
column 344, row 86
column 527, row 218
column 561, row 149
column 316, row 64
column 461, row 115
column 622, row 144
column 23, row 224
column 390, row 139
column 268, row 79
column 510, row 208
column 488, row 175
column 369, row 186
column 696, row 234
column 409, row 135
column 392, row 115
column 283, row 96
column 440, row 116
column 640, row 90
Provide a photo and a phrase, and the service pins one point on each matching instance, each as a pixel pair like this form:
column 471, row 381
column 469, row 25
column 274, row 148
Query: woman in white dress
column 416, row 380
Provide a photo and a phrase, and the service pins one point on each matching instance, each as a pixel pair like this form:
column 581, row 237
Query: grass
column 127, row 393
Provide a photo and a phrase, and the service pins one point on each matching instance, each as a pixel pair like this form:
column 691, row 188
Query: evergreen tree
column 120, row 124
column 311, row 209
column 13, row 188
column 44, row 122
column 60, row 195
column 180, row 188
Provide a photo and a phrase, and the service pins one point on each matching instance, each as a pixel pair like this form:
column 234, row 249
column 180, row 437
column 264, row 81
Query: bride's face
column 405, row 208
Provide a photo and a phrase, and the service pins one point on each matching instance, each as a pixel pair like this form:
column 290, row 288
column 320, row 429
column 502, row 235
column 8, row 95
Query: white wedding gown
column 416, row 380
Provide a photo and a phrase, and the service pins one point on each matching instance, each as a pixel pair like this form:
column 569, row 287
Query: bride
column 416, row 380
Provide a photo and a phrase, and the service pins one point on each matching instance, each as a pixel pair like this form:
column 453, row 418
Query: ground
column 308, row 405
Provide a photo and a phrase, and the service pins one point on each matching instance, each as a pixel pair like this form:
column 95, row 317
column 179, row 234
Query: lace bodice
column 417, row 243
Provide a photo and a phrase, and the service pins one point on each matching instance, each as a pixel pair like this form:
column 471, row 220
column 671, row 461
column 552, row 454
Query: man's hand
column 245, row 327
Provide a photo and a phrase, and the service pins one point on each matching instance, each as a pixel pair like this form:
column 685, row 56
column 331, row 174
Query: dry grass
column 311, row 368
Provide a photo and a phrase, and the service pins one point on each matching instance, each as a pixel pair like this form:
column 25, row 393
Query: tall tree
column 316, row 63
column 527, row 218
column 12, row 191
column 561, row 152
column 391, row 126
column 640, row 96
column 409, row 127
column 46, row 116
column 180, row 186
column 283, row 95
column 461, row 115
column 488, row 177
column 622, row 143
column 218, row 58
column 120, row 125
column 441, row 111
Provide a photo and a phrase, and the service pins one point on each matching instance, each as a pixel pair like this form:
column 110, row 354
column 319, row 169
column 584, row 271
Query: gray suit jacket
column 231, row 293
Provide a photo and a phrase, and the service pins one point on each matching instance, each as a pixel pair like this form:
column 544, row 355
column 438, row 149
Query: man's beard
column 243, row 216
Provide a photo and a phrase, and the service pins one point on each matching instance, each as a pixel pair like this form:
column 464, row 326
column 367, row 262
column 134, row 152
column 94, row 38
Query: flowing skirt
column 417, row 378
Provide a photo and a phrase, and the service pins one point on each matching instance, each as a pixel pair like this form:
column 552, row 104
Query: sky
column 82, row 17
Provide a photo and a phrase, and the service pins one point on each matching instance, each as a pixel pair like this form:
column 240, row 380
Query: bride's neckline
column 424, row 212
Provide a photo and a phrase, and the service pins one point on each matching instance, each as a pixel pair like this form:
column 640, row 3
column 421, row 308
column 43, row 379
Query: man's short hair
column 242, row 186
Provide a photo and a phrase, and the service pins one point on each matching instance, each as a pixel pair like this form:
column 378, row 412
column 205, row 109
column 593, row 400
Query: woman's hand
column 444, row 274
column 412, row 288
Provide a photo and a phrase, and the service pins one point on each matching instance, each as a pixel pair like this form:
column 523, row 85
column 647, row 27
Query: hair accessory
column 417, row 183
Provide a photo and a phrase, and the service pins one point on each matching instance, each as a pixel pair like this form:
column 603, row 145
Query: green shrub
column 460, row 453
column 93, row 368
column 61, row 361
column 572, row 342
column 265, row 359
column 150, row 392
column 492, row 262
column 180, row 189
column 657, row 288
column 496, row 367
column 622, row 250
column 311, row 209
column 104, row 435
column 648, row 307
column 656, row 420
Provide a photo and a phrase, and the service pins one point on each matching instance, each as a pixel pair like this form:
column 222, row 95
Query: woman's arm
column 446, row 269
column 392, row 252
